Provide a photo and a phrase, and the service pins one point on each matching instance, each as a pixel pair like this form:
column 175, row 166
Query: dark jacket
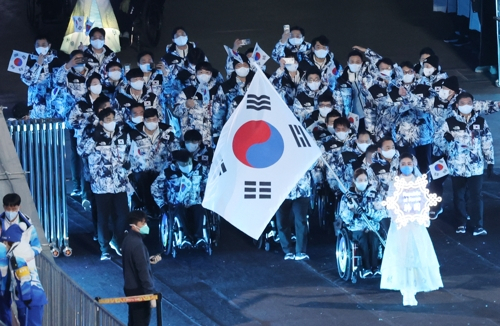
column 137, row 274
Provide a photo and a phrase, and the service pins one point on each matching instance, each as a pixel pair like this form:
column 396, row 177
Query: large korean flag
column 262, row 152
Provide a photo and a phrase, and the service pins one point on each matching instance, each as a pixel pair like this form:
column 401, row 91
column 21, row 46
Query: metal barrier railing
column 68, row 303
column 40, row 145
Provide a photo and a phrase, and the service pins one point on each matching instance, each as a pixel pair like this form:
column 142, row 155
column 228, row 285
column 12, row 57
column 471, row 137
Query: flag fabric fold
column 262, row 152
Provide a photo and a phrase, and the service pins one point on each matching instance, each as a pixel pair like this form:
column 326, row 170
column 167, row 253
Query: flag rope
column 363, row 214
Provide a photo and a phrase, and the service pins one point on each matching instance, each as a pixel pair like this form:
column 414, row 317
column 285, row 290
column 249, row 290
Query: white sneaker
column 289, row 256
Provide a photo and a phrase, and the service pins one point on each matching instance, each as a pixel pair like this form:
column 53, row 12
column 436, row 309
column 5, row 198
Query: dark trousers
column 75, row 162
column 299, row 208
column 116, row 207
column 191, row 220
column 423, row 154
column 142, row 198
column 89, row 195
column 474, row 186
column 139, row 313
column 368, row 242
column 5, row 303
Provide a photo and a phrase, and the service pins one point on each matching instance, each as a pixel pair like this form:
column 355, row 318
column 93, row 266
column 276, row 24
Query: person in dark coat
column 137, row 274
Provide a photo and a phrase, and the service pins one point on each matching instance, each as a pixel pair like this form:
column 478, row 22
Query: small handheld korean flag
column 17, row 63
column 439, row 169
column 78, row 24
column 259, row 56
column 232, row 54
column 262, row 152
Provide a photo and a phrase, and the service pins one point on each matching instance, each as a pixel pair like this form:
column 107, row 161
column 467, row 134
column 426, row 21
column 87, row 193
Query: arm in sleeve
column 345, row 210
column 220, row 111
column 487, row 145
column 180, row 105
column 141, row 263
column 30, row 76
column 34, row 241
column 157, row 189
column 278, row 51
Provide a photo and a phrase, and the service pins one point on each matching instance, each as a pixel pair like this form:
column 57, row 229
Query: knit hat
column 433, row 60
column 452, row 83
column 13, row 234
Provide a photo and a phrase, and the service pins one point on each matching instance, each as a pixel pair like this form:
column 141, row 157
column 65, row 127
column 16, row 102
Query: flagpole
column 344, row 190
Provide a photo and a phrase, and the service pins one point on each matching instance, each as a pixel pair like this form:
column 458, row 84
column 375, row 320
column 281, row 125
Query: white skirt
column 409, row 261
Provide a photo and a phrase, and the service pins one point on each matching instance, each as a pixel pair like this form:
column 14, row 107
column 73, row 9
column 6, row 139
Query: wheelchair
column 348, row 255
column 269, row 236
column 171, row 234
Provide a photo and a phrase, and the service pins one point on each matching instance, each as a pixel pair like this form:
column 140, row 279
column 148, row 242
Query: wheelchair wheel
column 165, row 234
column 344, row 255
column 214, row 228
column 259, row 243
column 153, row 20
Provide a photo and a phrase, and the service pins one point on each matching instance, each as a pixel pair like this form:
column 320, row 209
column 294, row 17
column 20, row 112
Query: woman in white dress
column 409, row 263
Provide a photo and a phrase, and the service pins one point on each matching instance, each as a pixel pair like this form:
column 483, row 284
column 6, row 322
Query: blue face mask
column 406, row 170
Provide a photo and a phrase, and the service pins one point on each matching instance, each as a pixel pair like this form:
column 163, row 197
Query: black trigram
column 222, row 168
column 258, row 103
column 263, row 190
column 299, row 135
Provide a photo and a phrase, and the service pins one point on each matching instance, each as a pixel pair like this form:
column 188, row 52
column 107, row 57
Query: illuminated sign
column 411, row 201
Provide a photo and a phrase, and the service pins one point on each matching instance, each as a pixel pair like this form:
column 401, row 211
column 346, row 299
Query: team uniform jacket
column 286, row 85
column 110, row 87
column 151, row 155
column 204, row 156
column 279, row 50
column 303, row 188
column 125, row 100
column 174, row 188
column 226, row 94
column 307, row 101
column 330, row 70
column 413, row 125
column 471, row 148
column 201, row 116
column 39, row 79
column 99, row 62
column 335, row 160
column 108, row 159
column 369, row 200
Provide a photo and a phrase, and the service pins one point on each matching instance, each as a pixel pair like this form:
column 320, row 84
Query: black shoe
column 116, row 248
column 76, row 192
column 201, row 243
column 186, row 243
column 460, row 229
column 479, row 231
column 377, row 272
column 452, row 38
column 105, row 256
column 366, row 273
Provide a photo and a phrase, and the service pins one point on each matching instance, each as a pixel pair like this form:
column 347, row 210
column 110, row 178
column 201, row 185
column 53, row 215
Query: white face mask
column 321, row 53
column 137, row 85
column 386, row 73
column 137, row 119
column 11, row 216
column 296, row 40
column 181, row 40
column 97, row 44
column 151, row 125
column 79, row 68
column 96, row 89
column 408, row 78
column 203, row 78
column 428, row 71
column 361, row 186
column 192, row 147
column 145, row 67
column 109, row 126
column 242, row 72
column 465, row 109
column 363, row 146
column 186, row 169
column 292, row 67
column 313, row 86
column 389, row 154
column 444, row 93
column 354, row 67
column 331, row 129
column 42, row 50
column 342, row 135
column 115, row 75
column 323, row 111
